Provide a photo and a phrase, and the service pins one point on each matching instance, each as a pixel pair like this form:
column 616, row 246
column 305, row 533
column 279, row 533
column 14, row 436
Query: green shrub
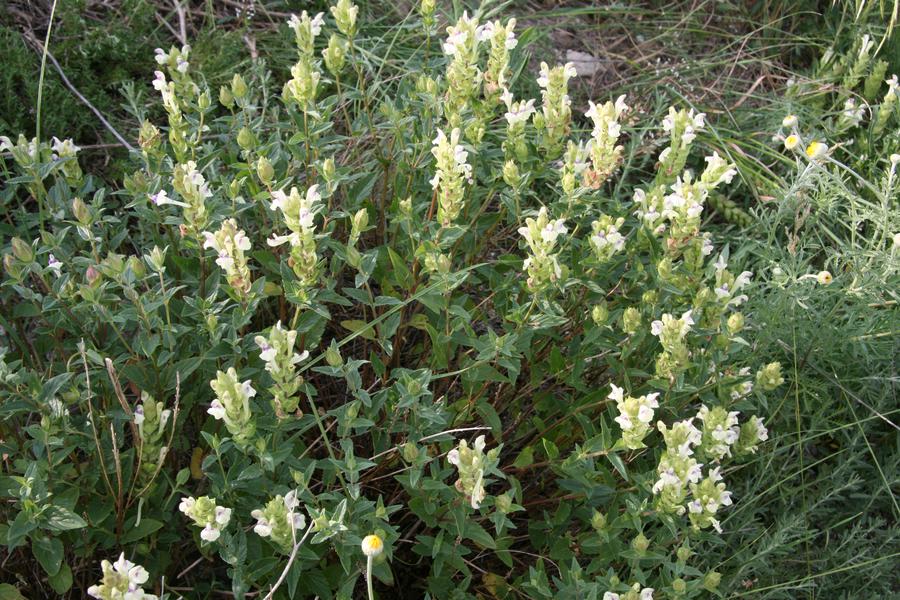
column 398, row 332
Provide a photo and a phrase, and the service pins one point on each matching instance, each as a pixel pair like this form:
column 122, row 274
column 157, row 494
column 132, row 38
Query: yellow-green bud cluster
column 151, row 418
column 672, row 333
column 517, row 116
column 463, row 75
column 502, row 40
column 192, row 187
column 299, row 216
column 769, row 377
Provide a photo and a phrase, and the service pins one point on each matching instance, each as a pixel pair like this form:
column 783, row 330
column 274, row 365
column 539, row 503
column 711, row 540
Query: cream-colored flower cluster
column 452, row 173
column 471, row 464
column 635, row 416
column 151, row 418
column 231, row 245
column 604, row 149
column 232, row 405
column 542, row 265
column 122, row 580
column 299, row 215
column 277, row 351
column 280, row 520
column 205, row 513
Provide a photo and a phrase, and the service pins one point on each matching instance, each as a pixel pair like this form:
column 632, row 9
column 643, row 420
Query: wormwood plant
column 404, row 335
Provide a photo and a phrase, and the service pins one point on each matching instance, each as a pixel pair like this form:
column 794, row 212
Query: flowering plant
column 406, row 393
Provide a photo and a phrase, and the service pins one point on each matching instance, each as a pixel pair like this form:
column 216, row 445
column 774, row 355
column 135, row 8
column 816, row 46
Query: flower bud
column 360, row 220
column 503, row 502
column 598, row 521
column 631, row 320
column 204, row 101
column 22, row 250
column 600, row 314
column 245, row 139
column 264, row 170
column 157, row 259
column 11, row 268
column 333, row 356
column 92, row 275
column 735, row 323
column 640, row 543
column 137, row 267
column 511, row 174
column 769, row 377
column 711, row 581
column 238, row 87
column 148, row 137
column 81, row 212
column 410, row 452
column 683, row 553
column 679, row 586
column 226, row 99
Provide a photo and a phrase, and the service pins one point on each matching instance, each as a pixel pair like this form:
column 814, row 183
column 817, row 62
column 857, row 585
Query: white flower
column 209, row 533
column 617, row 393
column 455, row 41
column 216, row 410
column 54, row 265
column 790, row 121
column 187, row 505
column 372, row 545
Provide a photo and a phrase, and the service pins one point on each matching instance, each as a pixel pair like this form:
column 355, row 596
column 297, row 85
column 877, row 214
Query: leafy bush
column 398, row 327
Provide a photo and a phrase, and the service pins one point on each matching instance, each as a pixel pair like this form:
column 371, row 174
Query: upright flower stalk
column 231, row 245
column 232, row 405
column 277, row 352
column 299, row 216
column 452, row 172
column 554, row 120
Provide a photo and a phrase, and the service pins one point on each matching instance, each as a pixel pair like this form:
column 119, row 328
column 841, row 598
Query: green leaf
column 619, row 465
column 402, row 274
column 479, row 535
column 58, row 518
column 146, row 527
column 48, row 552
column 365, row 330
column 9, row 592
column 62, row 581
